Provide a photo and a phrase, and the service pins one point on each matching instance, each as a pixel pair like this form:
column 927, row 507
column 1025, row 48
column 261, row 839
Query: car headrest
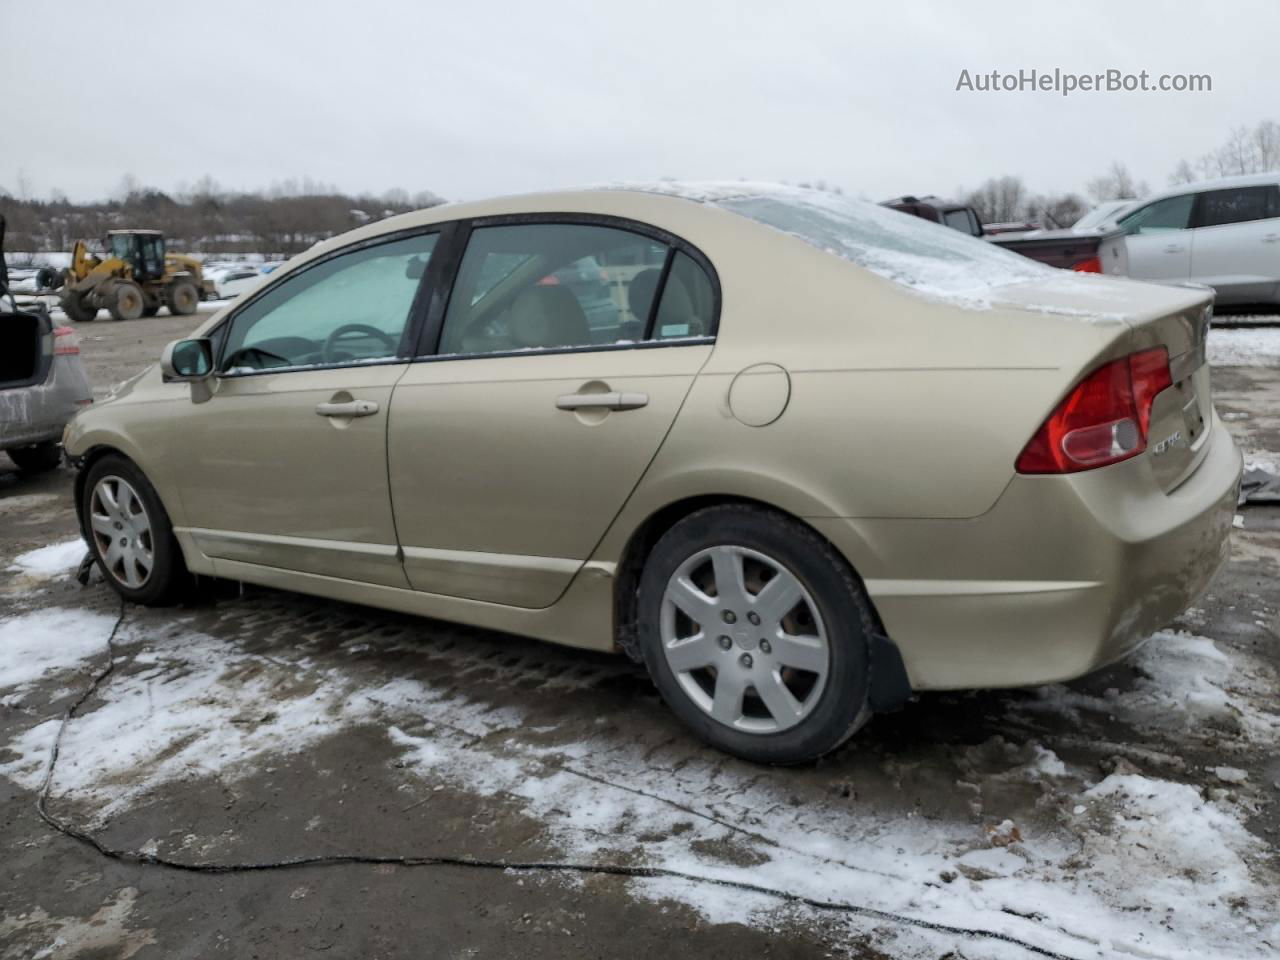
column 640, row 292
column 548, row 316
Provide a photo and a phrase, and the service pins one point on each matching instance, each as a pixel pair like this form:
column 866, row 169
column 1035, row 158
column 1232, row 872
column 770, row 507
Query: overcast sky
column 470, row 99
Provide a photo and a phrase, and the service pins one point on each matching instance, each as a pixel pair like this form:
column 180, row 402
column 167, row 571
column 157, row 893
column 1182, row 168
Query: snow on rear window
column 927, row 257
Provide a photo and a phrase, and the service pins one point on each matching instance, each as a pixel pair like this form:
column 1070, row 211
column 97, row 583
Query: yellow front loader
column 136, row 278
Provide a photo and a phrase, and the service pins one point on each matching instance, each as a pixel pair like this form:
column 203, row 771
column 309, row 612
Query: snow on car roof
column 926, row 257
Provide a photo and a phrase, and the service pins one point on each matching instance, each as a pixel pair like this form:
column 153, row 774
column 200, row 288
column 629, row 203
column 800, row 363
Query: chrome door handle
column 1174, row 248
column 351, row 408
column 602, row 401
column 1271, row 238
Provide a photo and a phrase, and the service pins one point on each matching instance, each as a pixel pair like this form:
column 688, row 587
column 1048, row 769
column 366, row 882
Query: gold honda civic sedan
column 799, row 454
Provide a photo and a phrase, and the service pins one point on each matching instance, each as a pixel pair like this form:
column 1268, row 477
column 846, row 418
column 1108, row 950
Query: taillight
column 1092, row 265
column 1103, row 420
column 65, row 341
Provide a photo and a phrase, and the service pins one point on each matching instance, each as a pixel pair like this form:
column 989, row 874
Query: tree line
column 203, row 218
column 288, row 217
column 1008, row 199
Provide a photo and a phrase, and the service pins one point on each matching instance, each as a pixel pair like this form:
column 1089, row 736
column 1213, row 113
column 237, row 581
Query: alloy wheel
column 122, row 531
column 744, row 639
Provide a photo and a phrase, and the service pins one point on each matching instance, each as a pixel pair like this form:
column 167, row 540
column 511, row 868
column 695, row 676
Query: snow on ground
column 48, row 640
column 1244, row 346
column 52, row 561
column 1131, row 865
column 1187, row 686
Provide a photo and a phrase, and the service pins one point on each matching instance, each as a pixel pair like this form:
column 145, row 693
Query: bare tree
column 127, row 187
column 1183, row 173
column 1237, row 155
column 1116, row 184
column 1266, row 146
column 999, row 199
column 1056, row 210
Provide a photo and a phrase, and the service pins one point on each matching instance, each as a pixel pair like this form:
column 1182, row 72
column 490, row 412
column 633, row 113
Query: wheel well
column 646, row 536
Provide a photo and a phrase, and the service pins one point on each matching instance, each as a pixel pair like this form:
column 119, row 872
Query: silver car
column 42, row 385
column 1221, row 233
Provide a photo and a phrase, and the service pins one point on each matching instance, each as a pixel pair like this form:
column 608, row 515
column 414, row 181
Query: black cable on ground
column 534, row 866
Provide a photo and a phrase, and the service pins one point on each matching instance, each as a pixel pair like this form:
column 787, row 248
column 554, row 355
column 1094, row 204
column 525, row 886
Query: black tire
column 125, row 300
column 842, row 706
column 168, row 581
column 76, row 308
column 40, row 458
column 182, row 298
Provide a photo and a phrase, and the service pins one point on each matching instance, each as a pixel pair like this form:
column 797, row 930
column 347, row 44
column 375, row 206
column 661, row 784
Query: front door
column 1159, row 239
column 285, row 465
column 565, row 355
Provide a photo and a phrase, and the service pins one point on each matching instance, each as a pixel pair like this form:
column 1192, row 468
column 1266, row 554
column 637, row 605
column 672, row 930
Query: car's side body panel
column 502, row 496
column 981, row 603
column 266, row 480
column 1239, row 260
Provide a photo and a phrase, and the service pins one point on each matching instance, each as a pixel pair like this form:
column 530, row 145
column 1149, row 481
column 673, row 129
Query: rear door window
column 549, row 286
column 1238, row 205
column 687, row 308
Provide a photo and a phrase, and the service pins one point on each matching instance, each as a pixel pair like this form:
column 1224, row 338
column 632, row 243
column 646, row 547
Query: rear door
column 1237, row 243
column 564, row 354
column 1159, row 239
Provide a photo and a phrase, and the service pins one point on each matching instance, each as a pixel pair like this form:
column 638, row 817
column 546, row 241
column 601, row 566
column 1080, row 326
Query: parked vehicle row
column 1222, row 233
column 1086, row 251
column 798, row 453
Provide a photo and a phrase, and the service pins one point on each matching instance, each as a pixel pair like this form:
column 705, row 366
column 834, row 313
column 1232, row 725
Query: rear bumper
column 37, row 414
column 1062, row 576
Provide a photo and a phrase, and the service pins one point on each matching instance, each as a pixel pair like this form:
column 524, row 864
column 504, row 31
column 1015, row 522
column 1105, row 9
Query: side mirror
column 190, row 361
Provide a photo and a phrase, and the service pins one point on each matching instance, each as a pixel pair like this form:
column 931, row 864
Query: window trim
column 408, row 336
column 1197, row 212
column 428, row 344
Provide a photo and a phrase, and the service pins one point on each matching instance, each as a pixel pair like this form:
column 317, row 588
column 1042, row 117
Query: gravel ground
column 1134, row 812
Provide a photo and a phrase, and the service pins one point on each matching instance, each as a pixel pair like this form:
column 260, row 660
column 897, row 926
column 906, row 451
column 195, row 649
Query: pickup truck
column 1087, row 251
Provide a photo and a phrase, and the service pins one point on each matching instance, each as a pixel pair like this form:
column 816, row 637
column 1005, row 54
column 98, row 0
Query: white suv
column 1225, row 233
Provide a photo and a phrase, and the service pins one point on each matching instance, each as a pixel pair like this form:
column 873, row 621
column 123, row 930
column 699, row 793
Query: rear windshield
column 927, row 257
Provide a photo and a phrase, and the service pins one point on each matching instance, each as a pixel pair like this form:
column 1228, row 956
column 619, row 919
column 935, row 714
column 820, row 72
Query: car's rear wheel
column 130, row 534
column 755, row 631
column 39, row 458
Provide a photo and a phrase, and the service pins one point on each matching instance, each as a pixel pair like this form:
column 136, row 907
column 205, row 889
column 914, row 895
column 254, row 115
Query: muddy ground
column 1132, row 813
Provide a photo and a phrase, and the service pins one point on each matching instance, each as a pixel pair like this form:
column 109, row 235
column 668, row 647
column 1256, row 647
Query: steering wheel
column 362, row 329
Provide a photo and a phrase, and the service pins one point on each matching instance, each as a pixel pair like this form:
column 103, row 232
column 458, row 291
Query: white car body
column 1222, row 233
column 234, row 280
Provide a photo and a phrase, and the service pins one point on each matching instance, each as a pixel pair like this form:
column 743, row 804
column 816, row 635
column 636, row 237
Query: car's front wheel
column 756, row 632
column 130, row 534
